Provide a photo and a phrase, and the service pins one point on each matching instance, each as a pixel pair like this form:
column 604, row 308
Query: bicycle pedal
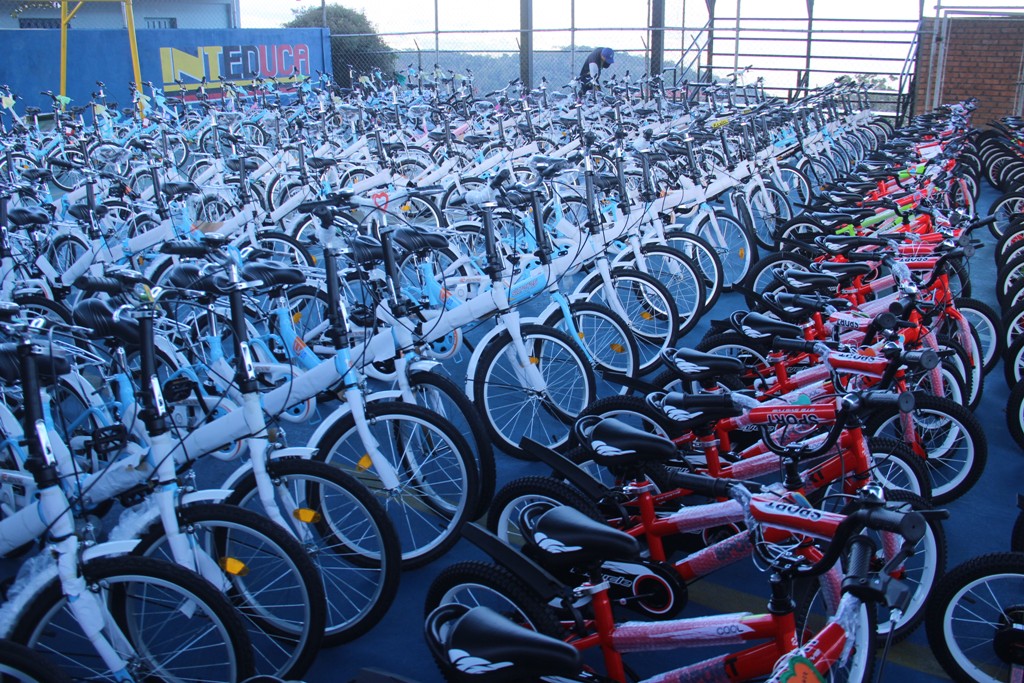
column 106, row 441
column 178, row 389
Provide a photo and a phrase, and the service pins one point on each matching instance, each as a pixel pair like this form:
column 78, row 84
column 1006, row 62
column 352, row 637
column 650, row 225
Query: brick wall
column 983, row 60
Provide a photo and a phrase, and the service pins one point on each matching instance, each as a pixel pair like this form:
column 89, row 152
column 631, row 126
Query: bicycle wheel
column 736, row 247
column 976, row 610
column 682, row 277
column 19, row 664
column 269, row 579
column 511, row 409
column 796, row 186
column 650, row 312
column 176, row 625
column 603, row 336
column 1005, row 208
column 1015, row 415
column 517, row 495
column 949, row 438
column 986, row 324
column 753, row 355
column 706, row 258
column 770, row 209
column 811, row 617
column 762, row 277
column 479, row 583
column 437, row 475
column 442, row 396
column 346, row 533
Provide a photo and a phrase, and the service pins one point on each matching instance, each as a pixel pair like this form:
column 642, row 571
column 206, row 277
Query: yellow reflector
column 743, row 252
column 534, row 360
column 406, row 207
column 296, row 317
column 306, row 516
column 314, row 259
column 233, row 566
column 618, row 348
column 364, row 463
column 646, row 316
column 580, row 335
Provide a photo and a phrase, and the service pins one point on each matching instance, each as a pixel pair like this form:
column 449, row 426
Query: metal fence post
column 526, row 42
column 657, row 35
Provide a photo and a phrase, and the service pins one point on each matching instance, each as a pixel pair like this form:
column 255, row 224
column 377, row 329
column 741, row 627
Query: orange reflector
column 296, row 317
column 580, row 335
column 646, row 316
column 534, row 360
column 306, row 516
column 364, row 463
column 406, row 207
column 233, row 566
column 617, row 348
column 743, row 252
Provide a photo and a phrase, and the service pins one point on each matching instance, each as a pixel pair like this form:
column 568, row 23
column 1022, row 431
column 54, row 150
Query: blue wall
column 32, row 61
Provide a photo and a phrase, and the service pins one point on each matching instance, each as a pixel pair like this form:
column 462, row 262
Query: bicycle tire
column 737, row 248
column 478, row 583
column 273, row 583
column 606, row 339
column 706, row 258
column 761, row 278
column 970, row 605
column 360, row 579
column 466, row 418
column 681, row 277
column 46, row 625
column 987, row 324
column 651, row 314
column 766, row 222
column 498, row 391
column 518, row 494
column 1015, row 422
column 19, row 664
column 436, row 470
column 947, row 435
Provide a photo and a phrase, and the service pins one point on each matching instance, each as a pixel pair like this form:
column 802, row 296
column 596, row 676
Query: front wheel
column 346, row 533
column 438, row 481
column 975, row 614
column 175, row 624
column 512, row 408
column 736, row 247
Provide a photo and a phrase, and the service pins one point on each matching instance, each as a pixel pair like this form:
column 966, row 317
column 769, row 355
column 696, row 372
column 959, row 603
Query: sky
column 494, row 25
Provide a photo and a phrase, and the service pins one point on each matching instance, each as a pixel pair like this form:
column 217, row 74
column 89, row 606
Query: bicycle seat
column 563, row 537
column 831, row 218
column 23, row 216
column 688, row 364
column 173, row 101
column 320, row 163
column 805, row 279
column 273, row 274
column 32, row 111
column 140, row 144
column 419, row 242
column 436, row 135
column 366, row 249
column 613, row 443
column 476, row 140
column 690, row 411
column 500, row 650
column 844, row 271
column 180, row 189
column 80, row 211
column 549, row 166
column 51, row 362
column 190, row 275
column 756, row 325
column 672, row 148
column 234, row 163
column 36, row 175
column 98, row 316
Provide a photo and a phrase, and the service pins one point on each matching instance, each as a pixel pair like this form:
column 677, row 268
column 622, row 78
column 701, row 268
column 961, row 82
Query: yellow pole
column 63, row 47
column 129, row 15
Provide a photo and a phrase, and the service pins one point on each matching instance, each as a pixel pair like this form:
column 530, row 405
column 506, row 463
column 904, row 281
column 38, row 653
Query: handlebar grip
column 703, row 485
column 60, row 163
column 903, row 306
column 982, row 223
column 910, row 525
column 798, row 345
column 886, row 399
column 185, row 248
column 89, row 283
column 926, row 359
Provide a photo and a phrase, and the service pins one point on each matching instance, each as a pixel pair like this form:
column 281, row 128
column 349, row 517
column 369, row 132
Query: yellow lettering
column 185, row 63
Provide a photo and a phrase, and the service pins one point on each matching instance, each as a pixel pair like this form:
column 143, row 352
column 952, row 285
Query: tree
column 354, row 40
